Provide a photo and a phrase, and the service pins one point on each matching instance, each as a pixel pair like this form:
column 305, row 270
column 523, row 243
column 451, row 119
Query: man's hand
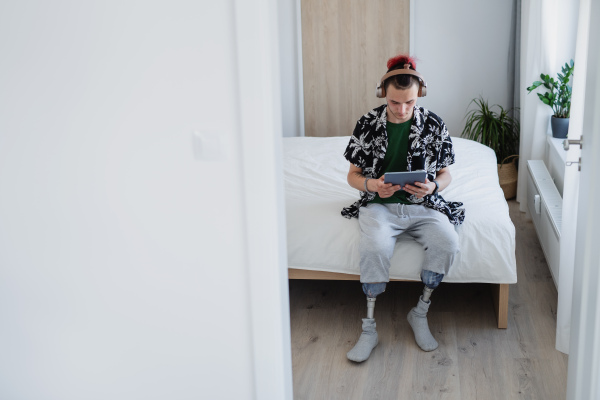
column 357, row 180
column 420, row 189
column 385, row 190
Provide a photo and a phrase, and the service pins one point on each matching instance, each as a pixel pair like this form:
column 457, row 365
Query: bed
column 324, row 245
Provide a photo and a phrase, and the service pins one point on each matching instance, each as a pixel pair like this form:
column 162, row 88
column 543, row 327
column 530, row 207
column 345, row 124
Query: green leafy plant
column 559, row 95
column 497, row 130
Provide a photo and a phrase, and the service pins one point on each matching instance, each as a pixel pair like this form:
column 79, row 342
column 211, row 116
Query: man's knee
column 445, row 244
column 373, row 248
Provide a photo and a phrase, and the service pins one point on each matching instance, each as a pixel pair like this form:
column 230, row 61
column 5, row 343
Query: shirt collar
column 418, row 117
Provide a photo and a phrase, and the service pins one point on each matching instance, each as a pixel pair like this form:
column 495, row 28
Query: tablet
column 403, row 178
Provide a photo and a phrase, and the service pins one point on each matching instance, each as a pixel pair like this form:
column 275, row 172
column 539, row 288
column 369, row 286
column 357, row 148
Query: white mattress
column 320, row 239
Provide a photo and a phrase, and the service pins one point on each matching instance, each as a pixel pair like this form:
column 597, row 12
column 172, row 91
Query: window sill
column 556, row 157
column 556, row 145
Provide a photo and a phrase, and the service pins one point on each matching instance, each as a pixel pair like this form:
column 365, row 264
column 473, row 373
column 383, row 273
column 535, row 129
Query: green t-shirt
column 395, row 158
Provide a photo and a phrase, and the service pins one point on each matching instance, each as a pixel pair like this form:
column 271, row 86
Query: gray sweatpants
column 380, row 224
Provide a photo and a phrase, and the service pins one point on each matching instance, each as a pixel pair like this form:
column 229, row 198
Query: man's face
column 401, row 103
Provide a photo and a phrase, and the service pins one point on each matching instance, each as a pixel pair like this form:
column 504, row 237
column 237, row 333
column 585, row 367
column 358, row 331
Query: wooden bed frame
column 499, row 291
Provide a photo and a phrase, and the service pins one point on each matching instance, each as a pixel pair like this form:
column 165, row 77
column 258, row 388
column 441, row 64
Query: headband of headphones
column 380, row 89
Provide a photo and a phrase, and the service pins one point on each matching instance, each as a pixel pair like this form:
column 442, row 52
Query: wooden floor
column 475, row 359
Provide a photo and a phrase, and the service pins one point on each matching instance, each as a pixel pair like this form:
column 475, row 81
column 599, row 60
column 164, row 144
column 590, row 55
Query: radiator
column 545, row 207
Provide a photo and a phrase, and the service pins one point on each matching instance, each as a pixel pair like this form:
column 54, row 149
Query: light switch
column 207, row 145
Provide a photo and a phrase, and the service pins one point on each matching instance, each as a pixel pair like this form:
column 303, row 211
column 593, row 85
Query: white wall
column 464, row 51
column 122, row 258
column 292, row 109
column 463, row 47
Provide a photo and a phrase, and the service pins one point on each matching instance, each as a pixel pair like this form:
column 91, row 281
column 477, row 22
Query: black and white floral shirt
column 429, row 149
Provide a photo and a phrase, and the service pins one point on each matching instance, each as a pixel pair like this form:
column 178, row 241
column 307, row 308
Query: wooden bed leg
column 500, row 295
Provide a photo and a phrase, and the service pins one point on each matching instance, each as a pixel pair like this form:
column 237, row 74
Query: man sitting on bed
column 395, row 137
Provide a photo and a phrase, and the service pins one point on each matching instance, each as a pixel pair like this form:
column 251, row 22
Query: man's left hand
column 420, row 189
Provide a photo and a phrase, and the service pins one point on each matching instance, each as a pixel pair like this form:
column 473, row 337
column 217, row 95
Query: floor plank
column 475, row 359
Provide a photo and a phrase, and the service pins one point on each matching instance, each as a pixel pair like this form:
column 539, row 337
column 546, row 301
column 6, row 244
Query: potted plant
column 558, row 98
column 499, row 131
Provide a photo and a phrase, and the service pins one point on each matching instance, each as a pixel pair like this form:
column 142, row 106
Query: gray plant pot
column 560, row 127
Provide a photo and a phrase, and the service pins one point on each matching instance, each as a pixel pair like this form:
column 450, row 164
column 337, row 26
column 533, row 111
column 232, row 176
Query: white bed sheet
column 320, row 239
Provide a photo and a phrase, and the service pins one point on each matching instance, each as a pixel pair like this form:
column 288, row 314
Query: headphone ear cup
column 422, row 90
column 379, row 91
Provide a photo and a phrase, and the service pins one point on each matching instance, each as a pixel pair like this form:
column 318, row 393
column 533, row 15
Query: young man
column 395, row 137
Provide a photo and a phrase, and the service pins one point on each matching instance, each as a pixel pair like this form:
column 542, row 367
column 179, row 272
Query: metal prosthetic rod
column 370, row 307
column 372, row 290
column 427, row 294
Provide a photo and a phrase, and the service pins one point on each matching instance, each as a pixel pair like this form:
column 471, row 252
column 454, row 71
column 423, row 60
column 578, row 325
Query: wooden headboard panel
column 345, row 47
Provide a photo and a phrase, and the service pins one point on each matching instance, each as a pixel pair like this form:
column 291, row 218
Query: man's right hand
column 357, row 180
column 385, row 190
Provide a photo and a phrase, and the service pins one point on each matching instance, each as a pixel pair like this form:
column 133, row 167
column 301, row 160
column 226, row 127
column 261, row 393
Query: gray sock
column 366, row 342
column 417, row 318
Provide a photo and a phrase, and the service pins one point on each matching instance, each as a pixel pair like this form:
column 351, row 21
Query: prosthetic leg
column 417, row 317
column 368, row 338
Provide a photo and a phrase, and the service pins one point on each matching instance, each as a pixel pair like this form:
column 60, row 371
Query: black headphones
column 380, row 89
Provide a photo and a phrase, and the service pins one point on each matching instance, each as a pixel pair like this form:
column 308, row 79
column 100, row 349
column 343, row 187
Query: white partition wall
column 124, row 238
